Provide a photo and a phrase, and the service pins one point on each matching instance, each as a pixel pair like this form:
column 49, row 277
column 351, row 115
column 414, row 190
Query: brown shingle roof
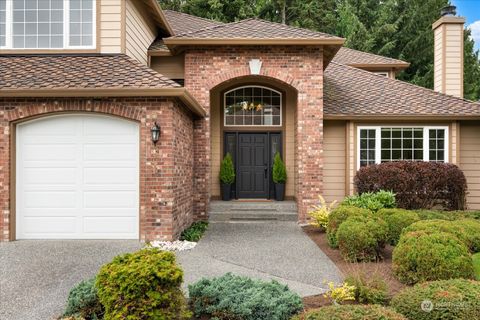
column 182, row 22
column 350, row 92
column 158, row 46
column 353, row 57
column 254, row 29
column 34, row 72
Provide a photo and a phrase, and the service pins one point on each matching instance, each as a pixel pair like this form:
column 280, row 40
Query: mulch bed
column 382, row 268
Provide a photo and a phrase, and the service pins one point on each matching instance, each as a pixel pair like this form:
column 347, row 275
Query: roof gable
column 357, row 58
column 350, row 92
column 254, row 28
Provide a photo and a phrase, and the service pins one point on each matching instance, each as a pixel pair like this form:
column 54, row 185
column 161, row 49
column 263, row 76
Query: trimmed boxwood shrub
column 361, row 238
column 451, row 299
column 416, row 184
column 434, row 215
column 421, row 256
column 352, row 312
column 142, row 285
column 337, row 217
column 235, row 297
column 83, row 301
column 466, row 230
column 372, row 201
column 397, row 220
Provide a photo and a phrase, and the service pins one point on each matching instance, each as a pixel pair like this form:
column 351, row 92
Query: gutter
column 395, row 117
column 181, row 93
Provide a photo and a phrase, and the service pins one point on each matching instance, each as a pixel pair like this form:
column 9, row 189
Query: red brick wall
column 166, row 174
column 298, row 67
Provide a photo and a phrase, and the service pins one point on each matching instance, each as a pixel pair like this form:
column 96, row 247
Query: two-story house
column 115, row 115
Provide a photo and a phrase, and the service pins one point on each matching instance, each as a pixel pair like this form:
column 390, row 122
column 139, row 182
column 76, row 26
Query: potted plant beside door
column 279, row 177
column 227, row 176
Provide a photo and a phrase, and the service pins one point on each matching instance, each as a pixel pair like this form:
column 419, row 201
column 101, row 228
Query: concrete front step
column 223, row 211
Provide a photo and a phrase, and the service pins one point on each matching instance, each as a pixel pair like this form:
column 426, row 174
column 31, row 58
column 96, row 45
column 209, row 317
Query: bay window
column 47, row 24
column 378, row 144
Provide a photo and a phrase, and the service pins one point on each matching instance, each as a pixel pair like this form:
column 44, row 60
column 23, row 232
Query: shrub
column 321, row 213
column 361, row 238
column 235, row 297
column 337, row 217
column 397, row 220
column 369, row 289
column 417, row 185
column 421, row 256
column 227, row 170
column 279, row 174
column 450, row 299
column 339, row 294
column 434, row 215
column 466, row 230
column 195, row 232
column 476, row 265
column 83, row 301
column 352, row 312
column 372, row 201
column 142, row 285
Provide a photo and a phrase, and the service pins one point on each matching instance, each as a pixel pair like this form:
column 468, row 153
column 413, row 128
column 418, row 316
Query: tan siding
column 334, row 151
column 139, row 33
column 470, row 160
column 110, row 26
column 448, row 59
column 171, row 67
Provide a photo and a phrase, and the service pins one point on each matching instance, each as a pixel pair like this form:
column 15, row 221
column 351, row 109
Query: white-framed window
column 252, row 106
column 378, row 144
column 382, row 73
column 47, row 24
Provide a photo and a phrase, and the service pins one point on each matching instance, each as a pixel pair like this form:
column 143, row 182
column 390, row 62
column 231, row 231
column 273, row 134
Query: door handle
column 266, row 172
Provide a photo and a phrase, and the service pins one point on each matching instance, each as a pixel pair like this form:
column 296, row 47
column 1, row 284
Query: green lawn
column 476, row 265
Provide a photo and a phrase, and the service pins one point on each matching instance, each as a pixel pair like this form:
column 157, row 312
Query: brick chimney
column 448, row 52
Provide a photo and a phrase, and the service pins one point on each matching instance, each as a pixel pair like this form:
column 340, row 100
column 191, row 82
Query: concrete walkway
column 36, row 276
column 263, row 250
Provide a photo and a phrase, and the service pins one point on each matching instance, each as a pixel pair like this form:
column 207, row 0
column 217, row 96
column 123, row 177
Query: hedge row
column 417, row 185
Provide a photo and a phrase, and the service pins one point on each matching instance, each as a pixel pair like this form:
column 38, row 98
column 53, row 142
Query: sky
column 470, row 9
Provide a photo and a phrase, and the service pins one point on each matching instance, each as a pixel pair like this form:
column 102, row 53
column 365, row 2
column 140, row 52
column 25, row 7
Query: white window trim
column 383, row 73
column 378, row 145
column 259, row 126
column 66, row 29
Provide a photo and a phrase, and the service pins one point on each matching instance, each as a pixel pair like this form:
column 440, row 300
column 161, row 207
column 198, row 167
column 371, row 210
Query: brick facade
column 297, row 67
column 166, row 170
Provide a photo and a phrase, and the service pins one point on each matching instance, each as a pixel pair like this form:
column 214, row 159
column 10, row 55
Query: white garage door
column 77, row 177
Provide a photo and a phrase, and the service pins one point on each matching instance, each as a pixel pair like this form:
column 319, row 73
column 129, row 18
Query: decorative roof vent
column 448, row 11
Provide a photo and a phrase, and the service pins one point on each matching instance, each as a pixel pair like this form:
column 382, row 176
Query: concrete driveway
column 36, row 276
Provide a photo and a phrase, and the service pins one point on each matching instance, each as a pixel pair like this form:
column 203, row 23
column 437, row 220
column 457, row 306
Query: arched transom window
column 253, row 106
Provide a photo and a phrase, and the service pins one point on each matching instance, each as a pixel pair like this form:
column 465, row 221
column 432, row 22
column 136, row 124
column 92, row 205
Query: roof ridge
column 405, row 83
column 197, row 17
column 374, row 54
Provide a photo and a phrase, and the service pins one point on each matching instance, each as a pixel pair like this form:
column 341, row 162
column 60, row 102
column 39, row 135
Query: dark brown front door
column 253, row 165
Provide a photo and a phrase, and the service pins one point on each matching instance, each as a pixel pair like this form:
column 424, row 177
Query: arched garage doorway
column 77, row 177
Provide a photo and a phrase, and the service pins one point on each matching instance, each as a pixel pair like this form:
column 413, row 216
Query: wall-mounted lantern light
column 155, row 131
